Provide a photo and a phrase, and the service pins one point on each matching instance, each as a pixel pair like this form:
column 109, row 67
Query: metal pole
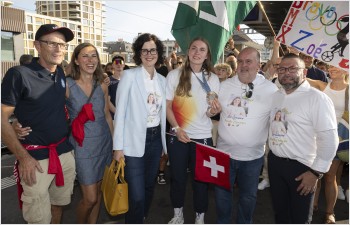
column 268, row 21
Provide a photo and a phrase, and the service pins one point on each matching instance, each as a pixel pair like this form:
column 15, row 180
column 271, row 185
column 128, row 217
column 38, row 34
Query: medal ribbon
column 203, row 83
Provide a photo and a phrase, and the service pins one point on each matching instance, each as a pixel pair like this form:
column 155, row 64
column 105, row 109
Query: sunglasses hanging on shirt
column 247, row 90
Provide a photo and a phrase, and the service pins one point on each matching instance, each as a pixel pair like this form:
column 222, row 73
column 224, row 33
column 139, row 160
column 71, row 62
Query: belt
column 285, row 159
column 153, row 130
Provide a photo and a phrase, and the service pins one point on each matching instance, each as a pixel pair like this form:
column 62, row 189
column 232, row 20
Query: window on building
column 31, row 52
column 72, row 26
column 57, row 7
column 7, row 46
column 29, row 19
column 30, row 36
column 30, row 27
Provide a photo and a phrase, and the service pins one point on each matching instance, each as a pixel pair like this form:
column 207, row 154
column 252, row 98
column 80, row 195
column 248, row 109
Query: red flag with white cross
column 212, row 166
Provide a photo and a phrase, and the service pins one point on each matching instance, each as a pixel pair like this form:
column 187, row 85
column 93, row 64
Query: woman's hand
column 182, row 136
column 118, row 154
column 215, row 107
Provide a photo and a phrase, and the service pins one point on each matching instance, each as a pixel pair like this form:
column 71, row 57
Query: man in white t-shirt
column 244, row 136
column 299, row 157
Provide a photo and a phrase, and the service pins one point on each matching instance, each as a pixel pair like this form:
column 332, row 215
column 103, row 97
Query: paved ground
column 161, row 211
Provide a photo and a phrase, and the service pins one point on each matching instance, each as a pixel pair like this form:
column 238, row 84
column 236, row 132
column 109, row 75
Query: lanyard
column 203, row 83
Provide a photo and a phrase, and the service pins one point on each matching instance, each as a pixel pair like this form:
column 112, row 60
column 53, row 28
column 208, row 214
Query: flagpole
column 268, row 21
column 202, row 144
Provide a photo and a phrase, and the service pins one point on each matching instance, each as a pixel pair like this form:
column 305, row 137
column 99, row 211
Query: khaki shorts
column 37, row 199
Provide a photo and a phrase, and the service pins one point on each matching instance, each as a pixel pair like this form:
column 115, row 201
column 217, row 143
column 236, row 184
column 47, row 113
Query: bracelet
column 175, row 129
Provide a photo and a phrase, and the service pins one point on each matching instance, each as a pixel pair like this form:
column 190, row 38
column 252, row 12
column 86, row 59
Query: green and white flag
column 213, row 20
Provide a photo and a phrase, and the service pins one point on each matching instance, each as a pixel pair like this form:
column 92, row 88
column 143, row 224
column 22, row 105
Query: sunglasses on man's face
column 118, row 61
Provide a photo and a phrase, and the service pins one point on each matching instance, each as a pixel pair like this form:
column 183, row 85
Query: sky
column 125, row 19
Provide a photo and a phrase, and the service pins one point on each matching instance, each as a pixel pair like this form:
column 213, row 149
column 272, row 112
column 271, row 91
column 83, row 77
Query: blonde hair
column 224, row 66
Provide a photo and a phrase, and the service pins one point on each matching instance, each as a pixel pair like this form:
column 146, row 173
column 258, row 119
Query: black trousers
column 289, row 206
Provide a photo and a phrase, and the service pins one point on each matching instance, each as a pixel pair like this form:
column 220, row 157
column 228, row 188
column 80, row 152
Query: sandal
column 330, row 218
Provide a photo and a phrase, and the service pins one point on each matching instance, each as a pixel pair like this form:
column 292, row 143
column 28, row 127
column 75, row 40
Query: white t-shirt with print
column 154, row 99
column 305, row 112
column 243, row 128
column 190, row 112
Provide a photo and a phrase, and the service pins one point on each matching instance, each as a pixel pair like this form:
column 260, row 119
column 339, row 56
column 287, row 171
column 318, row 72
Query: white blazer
column 130, row 120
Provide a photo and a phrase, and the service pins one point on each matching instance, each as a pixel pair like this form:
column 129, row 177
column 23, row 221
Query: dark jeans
column 141, row 173
column 289, row 206
column 247, row 175
column 181, row 156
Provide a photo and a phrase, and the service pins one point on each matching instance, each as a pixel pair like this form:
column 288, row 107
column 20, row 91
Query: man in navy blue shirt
column 35, row 93
column 312, row 71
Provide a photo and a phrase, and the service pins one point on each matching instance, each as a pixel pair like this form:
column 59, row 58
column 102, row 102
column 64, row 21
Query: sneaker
column 347, row 195
column 341, row 195
column 178, row 217
column 199, row 218
column 263, row 184
column 161, row 178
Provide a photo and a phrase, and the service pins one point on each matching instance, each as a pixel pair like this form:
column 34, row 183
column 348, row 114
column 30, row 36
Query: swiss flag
column 212, row 166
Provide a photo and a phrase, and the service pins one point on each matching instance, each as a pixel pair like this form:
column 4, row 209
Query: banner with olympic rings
column 319, row 29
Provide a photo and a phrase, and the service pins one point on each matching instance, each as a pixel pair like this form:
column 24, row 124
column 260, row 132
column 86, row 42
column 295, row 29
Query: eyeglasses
column 289, row 69
column 152, row 51
column 179, row 63
column 248, row 90
column 52, row 44
column 118, row 61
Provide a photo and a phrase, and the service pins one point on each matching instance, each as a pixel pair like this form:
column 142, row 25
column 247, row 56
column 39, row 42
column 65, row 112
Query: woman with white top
column 139, row 133
column 190, row 103
column 336, row 91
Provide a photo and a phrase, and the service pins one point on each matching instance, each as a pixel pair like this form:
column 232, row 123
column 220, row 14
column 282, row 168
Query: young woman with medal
column 191, row 101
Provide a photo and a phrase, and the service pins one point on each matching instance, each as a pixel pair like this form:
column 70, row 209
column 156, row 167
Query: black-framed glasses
column 289, row 69
column 52, row 44
column 152, row 51
column 248, row 90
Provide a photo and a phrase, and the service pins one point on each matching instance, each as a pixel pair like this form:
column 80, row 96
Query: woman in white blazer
column 139, row 133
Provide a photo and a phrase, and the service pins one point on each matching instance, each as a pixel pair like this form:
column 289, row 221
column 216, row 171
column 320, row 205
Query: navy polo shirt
column 39, row 98
column 316, row 74
column 112, row 91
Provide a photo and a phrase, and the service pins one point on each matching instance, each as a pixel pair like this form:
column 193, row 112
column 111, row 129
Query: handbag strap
column 92, row 92
column 347, row 98
column 120, row 171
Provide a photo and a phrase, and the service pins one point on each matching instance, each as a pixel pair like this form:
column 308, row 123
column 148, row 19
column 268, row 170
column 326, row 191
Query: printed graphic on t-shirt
column 185, row 109
column 278, row 127
column 153, row 105
column 237, row 111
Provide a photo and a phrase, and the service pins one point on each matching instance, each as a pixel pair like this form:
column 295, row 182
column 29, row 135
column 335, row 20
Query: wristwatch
column 175, row 129
column 317, row 174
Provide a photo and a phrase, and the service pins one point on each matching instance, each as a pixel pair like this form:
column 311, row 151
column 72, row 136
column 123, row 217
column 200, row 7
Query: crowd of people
column 73, row 119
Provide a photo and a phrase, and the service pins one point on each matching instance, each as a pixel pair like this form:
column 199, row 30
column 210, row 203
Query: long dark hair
column 75, row 70
column 184, row 86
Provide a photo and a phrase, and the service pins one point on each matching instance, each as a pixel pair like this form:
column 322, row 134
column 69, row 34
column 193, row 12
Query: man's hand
column 308, row 183
column 27, row 168
column 21, row 131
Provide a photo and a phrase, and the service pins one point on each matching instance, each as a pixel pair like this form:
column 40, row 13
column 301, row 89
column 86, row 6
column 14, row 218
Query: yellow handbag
column 115, row 188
